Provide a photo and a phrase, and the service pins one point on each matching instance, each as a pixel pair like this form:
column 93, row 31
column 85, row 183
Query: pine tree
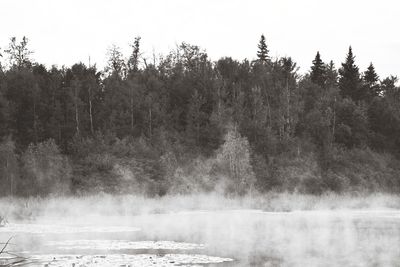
column 262, row 53
column 371, row 86
column 318, row 71
column 331, row 75
column 349, row 81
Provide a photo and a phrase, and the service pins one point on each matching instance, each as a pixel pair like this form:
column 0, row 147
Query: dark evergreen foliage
column 262, row 52
column 148, row 119
column 371, row 85
column 349, row 80
column 318, row 71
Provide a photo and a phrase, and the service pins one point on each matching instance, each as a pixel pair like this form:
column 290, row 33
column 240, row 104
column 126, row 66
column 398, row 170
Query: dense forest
column 183, row 123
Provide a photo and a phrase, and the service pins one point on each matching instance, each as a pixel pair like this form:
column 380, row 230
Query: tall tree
column 318, row 71
column 115, row 63
column 133, row 71
column 350, row 81
column 23, row 93
column 388, row 86
column 371, row 86
column 290, row 95
column 195, row 117
column 4, row 116
column 262, row 52
column 8, row 167
column 133, row 61
column 19, row 54
column 1, row 65
column 331, row 75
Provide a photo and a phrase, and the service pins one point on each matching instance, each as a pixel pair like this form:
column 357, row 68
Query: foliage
column 158, row 127
column 45, row 170
column 8, row 167
column 350, row 81
column 318, row 71
column 262, row 53
column 234, row 161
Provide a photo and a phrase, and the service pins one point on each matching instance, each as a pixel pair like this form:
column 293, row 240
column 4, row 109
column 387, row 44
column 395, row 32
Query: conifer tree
column 331, row 75
column 349, row 80
column 371, row 79
column 318, row 71
column 262, row 52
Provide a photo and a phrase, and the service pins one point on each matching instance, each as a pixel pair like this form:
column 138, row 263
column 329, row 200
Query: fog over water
column 199, row 133
column 223, row 235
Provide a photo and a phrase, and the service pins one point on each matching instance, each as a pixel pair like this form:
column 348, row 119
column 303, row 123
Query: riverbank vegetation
column 184, row 124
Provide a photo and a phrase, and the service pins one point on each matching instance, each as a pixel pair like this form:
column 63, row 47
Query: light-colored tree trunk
column 90, row 111
column 132, row 118
column 76, row 110
column 334, row 122
column 35, row 122
column 288, row 121
column 150, row 122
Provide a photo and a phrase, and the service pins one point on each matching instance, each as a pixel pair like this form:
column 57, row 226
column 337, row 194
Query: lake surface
column 212, row 238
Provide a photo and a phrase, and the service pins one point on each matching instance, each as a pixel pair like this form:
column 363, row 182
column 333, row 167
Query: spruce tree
column 371, row 86
column 262, row 52
column 349, row 80
column 318, row 71
column 331, row 75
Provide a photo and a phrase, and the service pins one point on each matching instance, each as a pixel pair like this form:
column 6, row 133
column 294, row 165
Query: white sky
column 64, row 32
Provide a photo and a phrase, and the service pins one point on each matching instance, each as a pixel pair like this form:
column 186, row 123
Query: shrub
column 195, row 177
column 8, row 167
column 233, row 160
column 45, row 169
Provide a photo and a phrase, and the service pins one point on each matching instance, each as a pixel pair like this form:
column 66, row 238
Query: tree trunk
column 334, row 122
column 90, row 111
column 34, row 122
column 76, row 111
column 150, row 122
column 288, row 108
column 197, row 131
column 132, row 121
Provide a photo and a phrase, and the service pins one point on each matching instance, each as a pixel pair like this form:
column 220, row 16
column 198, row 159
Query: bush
column 8, row 167
column 233, row 161
column 195, row 177
column 105, row 163
column 363, row 169
column 45, row 169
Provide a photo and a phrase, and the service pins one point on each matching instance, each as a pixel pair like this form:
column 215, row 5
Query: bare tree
column 19, row 54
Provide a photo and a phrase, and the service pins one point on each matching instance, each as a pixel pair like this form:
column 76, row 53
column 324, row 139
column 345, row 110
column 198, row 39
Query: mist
column 251, row 230
column 218, row 151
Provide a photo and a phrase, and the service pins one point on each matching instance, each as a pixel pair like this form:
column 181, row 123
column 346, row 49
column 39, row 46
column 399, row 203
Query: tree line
column 183, row 106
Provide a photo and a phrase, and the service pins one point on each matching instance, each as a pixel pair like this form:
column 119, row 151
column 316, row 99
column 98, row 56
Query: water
column 213, row 238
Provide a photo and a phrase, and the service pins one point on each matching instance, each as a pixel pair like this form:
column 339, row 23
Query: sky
column 64, row 32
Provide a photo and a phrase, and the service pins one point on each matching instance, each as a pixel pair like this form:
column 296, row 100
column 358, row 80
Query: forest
column 182, row 123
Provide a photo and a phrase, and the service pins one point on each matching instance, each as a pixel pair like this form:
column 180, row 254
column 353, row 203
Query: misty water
column 212, row 238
